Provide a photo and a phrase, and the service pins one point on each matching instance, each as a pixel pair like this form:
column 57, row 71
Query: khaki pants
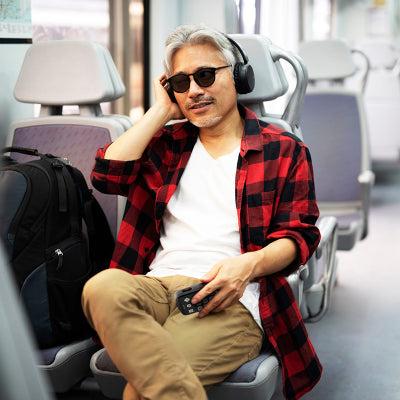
column 162, row 353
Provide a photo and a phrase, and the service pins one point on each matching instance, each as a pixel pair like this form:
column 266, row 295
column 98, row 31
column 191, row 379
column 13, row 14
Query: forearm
column 132, row 144
column 273, row 258
column 232, row 275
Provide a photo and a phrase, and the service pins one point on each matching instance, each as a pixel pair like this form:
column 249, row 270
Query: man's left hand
column 230, row 277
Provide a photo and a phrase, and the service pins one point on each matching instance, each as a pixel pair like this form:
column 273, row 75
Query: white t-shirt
column 200, row 224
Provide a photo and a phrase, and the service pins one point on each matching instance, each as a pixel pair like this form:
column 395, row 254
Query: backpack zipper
column 60, row 256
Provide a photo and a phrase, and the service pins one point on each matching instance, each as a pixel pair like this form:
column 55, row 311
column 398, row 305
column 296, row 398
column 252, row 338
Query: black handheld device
column 183, row 299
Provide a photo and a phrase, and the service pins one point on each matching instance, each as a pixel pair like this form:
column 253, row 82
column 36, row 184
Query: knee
column 101, row 286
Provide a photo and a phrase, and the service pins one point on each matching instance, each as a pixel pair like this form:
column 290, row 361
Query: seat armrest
column 327, row 227
column 322, row 265
column 326, row 251
column 296, row 282
column 366, row 177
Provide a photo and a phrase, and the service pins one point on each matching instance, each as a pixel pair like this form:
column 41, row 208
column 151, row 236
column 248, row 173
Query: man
column 222, row 199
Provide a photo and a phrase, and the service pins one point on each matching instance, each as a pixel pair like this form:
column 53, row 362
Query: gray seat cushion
column 257, row 378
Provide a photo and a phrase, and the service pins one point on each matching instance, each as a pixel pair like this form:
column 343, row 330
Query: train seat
column 382, row 100
column 67, row 365
column 19, row 377
column 255, row 379
column 56, row 74
column 271, row 83
column 258, row 378
column 313, row 284
column 335, row 128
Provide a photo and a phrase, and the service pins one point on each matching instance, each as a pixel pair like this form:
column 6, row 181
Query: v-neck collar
column 227, row 155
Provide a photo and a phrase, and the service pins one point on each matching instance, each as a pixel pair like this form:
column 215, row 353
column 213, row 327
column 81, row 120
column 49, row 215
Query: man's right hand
column 160, row 89
column 132, row 144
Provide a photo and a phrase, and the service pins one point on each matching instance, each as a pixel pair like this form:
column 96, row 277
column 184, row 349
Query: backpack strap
column 23, row 150
column 101, row 240
column 67, row 201
column 5, row 161
column 62, row 181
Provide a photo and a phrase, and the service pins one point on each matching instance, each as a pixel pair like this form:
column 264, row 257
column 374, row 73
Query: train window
column 137, row 84
column 71, row 20
column 321, row 19
column 248, row 15
column 128, row 48
column 116, row 25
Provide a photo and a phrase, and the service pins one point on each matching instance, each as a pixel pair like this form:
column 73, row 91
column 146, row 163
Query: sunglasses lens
column 205, row 77
column 180, row 83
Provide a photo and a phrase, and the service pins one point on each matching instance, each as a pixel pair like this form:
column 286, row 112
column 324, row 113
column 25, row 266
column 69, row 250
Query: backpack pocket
column 68, row 269
column 35, row 298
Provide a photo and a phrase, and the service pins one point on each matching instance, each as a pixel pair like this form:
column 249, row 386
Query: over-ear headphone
column 243, row 73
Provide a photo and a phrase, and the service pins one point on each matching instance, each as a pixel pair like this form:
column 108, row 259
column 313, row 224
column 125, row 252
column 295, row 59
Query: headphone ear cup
column 243, row 75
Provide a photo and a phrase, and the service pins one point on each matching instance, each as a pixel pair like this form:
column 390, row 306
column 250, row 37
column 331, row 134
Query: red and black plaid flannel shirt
column 274, row 198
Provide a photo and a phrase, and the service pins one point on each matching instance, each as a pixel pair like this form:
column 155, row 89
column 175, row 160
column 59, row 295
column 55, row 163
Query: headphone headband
column 235, row 44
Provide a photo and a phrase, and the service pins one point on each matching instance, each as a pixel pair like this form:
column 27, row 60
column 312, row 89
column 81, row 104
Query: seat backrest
column 60, row 73
column 19, row 376
column 334, row 63
column 327, row 59
column 333, row 123
column 272, row 83
column 332, row 129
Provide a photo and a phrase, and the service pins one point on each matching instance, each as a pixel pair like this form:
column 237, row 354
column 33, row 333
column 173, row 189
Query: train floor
column 358, row 339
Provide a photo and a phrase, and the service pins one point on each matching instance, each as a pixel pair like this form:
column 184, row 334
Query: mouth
column 200, row 107
column 199, row 104
column 202, row 104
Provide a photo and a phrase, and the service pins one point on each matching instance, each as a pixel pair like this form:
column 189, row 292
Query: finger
column 160, row 84
column 217, row 305
column 210, row 307
column 224, row 305
column 211, row 274
column 220, row 303
column 159, row 80
column 205, row 291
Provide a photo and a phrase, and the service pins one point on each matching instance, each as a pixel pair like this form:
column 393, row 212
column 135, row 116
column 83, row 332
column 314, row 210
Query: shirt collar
column 251, row 139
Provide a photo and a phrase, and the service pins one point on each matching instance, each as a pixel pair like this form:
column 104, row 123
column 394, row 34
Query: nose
column 194, row 89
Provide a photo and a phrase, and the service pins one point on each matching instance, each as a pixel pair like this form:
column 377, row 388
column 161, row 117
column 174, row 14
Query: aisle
column 358, row 341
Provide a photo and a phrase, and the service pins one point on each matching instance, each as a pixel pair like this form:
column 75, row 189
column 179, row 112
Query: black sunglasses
column 204, row 77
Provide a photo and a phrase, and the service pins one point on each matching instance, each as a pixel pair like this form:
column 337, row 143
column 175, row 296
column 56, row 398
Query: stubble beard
column 207, row 123
column 203, row 122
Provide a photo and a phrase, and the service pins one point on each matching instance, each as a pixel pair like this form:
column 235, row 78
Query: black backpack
column 52, row 253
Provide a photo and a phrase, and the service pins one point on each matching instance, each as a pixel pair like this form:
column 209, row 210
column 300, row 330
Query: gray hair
column 198, row 34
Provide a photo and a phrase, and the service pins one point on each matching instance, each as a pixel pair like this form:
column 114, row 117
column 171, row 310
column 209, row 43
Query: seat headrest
column 68, row 73
column 327, row 59
column 270, row 80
